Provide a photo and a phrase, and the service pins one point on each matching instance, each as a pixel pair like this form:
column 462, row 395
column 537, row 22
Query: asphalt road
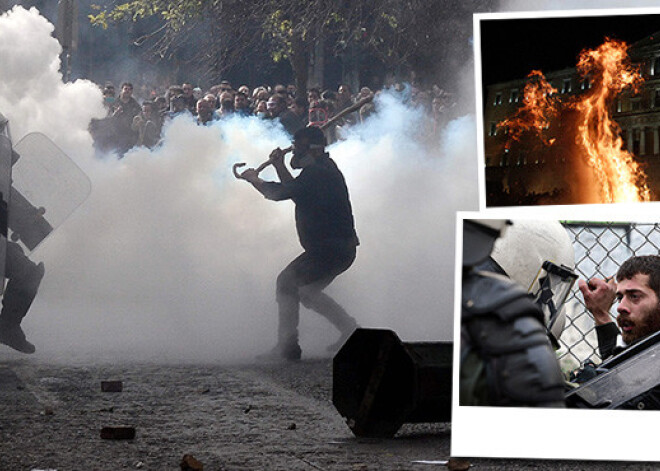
column 228, row 417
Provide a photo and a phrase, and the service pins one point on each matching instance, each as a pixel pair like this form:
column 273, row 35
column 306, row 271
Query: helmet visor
column 550, row 289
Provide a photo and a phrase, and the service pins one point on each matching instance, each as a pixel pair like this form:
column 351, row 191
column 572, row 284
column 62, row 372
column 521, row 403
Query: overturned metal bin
column 380, row 383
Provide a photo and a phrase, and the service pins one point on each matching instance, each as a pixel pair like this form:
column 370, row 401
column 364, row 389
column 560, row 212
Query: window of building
column 566, row 86
column 514, row 97
column 619, row 106
column 585, row 84
column 498, row 99
column 493, row 129
column 656, row 98
column 505, row 158
column 655, row 66
column 636, row 104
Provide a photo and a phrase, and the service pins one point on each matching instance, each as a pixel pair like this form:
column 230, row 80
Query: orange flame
column 598, row 137
column 538, row 109
column 620, row 177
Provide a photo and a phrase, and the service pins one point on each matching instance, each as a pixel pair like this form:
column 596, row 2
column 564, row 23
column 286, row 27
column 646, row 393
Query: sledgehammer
column 260, row 167
column 332, row 120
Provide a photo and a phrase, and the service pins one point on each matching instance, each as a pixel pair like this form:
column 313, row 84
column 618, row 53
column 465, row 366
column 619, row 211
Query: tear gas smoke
column 173, row 258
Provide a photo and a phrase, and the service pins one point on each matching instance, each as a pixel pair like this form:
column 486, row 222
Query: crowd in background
column 130, row 123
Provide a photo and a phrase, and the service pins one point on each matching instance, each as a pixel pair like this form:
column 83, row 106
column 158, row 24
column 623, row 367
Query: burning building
column 587, row 134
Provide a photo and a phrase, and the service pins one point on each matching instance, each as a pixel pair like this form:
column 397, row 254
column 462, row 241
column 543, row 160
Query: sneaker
column 282, row 352
column 15, row 338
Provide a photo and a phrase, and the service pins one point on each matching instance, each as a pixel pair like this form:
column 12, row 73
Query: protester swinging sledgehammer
column 326, row 230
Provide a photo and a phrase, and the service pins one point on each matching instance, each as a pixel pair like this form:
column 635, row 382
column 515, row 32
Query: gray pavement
column 229, row 417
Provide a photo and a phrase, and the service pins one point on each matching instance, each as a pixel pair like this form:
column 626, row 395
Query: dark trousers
column 303, row 281
column 24, row 279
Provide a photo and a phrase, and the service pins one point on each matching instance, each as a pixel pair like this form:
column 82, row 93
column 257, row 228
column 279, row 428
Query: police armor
column 506, row 356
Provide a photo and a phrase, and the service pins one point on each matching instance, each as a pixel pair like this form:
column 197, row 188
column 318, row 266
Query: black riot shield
column 630, row 379
column 47, row 186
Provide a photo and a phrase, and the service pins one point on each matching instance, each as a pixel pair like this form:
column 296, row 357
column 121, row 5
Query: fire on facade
column 589, row 134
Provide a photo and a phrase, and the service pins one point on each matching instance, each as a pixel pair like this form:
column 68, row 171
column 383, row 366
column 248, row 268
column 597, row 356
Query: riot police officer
column 24, row 276
column 506, row 355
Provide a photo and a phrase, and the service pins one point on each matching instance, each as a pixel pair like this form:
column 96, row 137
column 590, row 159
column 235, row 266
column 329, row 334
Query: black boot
column 288, row 352
column 13, row 336
column 21, row 291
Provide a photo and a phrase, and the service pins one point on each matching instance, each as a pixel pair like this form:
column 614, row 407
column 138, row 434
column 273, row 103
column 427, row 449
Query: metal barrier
column 600, row 248
column 380, row 383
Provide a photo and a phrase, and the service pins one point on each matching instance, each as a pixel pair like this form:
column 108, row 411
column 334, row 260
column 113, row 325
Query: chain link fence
column 599, row 250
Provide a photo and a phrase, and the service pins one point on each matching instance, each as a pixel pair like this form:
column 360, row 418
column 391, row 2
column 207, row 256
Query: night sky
column 511, row 48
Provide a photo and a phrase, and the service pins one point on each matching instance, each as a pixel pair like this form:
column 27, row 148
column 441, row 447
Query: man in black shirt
column 325, row 225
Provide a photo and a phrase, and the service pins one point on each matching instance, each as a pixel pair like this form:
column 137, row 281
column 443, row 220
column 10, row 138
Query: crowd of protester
column 129, row 124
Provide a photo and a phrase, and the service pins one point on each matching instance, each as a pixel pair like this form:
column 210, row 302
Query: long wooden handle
column 341, row 114
column 345, row 111
column 267, row 162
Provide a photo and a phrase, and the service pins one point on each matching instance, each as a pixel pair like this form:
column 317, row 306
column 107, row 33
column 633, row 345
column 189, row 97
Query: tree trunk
column 299, row 59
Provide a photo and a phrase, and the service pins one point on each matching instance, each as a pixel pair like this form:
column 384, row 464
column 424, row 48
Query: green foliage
column 175, row 13
column 401, row 34
column 280, row 29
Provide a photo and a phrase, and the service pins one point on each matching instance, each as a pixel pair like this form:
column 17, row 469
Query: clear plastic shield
column 551, row 288
column 47, row 187
column 5, row 185
column 622, row 378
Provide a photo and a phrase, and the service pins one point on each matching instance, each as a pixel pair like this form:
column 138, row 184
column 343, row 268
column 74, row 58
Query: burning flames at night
column 597, row 137
column 620, row 177
column 538, row 110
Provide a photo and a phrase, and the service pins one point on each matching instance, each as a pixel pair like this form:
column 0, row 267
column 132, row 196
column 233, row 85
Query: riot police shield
column 627, row 380
column 47, row 186
column 5, row 185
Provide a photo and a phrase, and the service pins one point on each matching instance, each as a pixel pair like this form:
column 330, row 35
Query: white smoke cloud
column 172, row 257
column 32, row 95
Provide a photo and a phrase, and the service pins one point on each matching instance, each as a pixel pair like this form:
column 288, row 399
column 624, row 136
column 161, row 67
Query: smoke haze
column 173, row 258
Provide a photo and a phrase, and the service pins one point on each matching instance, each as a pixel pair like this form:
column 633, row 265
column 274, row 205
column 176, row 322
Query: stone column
column 631, row 136
column 642, row 141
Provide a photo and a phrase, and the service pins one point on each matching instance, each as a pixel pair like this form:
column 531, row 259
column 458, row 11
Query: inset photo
column 557, row 331
column 570, row 107
column 560, row 314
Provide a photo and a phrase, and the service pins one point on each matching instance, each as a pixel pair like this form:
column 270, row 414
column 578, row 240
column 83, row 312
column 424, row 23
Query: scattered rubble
column 112, row 386
column 118, row 433
column 190, row 463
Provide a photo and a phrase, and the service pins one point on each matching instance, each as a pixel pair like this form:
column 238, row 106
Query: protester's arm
column 277, row 161
column 252, row 176
column 599, row 295
column 271, row 190
column 607, row 335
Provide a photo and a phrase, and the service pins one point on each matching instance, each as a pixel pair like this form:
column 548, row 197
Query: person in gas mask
column 326, row 230
column 24, row 276
column 507, row 358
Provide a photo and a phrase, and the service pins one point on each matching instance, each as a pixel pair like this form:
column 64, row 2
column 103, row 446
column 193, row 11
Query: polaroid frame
column 540, row 433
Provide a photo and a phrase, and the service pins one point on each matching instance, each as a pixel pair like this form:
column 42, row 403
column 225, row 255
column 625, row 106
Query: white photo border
column 537, row 433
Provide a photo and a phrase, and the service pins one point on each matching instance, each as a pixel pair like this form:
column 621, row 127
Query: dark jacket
column 324, row 217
